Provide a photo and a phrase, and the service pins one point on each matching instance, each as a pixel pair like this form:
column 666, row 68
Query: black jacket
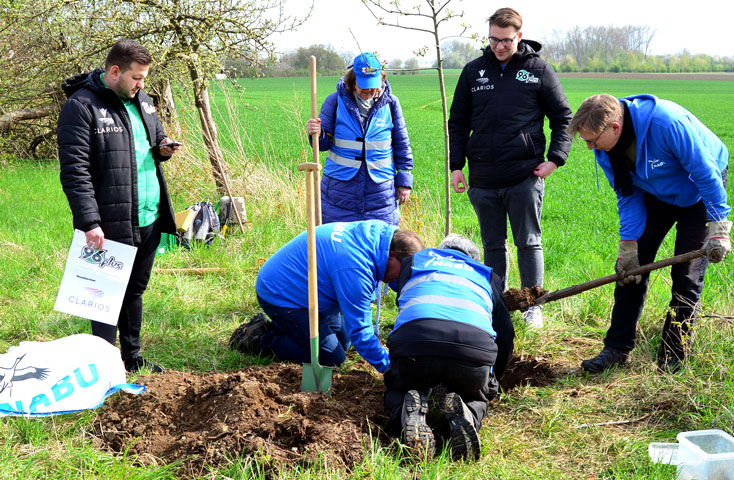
column 497, row 116
column 97, row 157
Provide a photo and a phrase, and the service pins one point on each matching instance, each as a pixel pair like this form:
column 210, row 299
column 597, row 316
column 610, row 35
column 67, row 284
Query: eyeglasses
column 506, row 42
column 591, row 143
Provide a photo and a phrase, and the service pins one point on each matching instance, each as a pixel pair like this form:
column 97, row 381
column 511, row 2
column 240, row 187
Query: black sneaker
column 132, row 366
column 464, row 440
column 605, row 360
column 246, row 338
column 417, row 435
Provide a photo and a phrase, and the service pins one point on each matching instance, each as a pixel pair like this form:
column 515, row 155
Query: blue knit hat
column 368, row 70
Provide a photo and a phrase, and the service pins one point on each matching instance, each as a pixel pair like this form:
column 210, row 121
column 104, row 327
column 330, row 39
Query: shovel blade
column 316, row 378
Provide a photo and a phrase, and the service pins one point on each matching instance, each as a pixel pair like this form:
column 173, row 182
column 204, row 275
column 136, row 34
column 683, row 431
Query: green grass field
column 560, row 431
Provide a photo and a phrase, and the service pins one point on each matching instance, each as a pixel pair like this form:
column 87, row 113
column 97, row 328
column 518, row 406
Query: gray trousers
column 523, row 205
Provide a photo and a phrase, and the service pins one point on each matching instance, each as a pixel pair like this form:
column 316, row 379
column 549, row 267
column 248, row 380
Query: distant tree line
column 622, row 49
column 294, row 63
column 602, row 49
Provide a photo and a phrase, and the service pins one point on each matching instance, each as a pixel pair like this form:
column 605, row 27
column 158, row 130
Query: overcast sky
column 671, row 20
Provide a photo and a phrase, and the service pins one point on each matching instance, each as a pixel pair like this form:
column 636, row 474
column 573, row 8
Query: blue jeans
column 523, row 205
column 289, row 339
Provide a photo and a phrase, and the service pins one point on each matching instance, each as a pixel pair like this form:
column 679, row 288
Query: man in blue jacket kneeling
column 351, row 259
column 453, row 331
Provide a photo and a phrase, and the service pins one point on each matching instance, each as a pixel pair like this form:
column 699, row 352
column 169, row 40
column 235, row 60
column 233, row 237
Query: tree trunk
column 167, row 110
column 11, row 118
column 442, row 84
column 209, row 129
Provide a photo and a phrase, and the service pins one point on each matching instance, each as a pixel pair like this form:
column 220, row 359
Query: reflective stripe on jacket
column 350, row 147
column 446, row 284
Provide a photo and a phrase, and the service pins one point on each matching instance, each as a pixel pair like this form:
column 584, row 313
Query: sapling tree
column 427, row 16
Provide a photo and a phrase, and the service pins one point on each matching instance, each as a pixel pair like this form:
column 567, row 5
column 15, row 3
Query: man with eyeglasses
column 666, row 168
column 496, row 124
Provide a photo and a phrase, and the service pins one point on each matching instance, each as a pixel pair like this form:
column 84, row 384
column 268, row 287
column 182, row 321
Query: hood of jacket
column 88, row 80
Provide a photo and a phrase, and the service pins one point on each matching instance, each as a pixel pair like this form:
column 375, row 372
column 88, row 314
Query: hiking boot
column 417, row 435
column 464, row 440
column 605, row 360
column 246, row 338
column 533, row 317
column 135, row 364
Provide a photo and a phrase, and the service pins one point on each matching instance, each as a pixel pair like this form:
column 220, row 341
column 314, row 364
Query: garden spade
column 315, row 378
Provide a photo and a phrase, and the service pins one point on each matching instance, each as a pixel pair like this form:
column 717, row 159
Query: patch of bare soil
column 517, row 298
column 205, row 419
column 532, row 372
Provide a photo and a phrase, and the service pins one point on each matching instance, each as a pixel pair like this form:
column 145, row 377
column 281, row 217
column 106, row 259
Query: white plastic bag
column 61, row 376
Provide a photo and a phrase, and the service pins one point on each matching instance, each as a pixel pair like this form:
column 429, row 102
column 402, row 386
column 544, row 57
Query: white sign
column 95, row 281
column 65, row 375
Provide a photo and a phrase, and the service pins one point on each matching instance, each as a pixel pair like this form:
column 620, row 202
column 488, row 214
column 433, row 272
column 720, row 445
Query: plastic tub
column 666, row 453
column 705, row 455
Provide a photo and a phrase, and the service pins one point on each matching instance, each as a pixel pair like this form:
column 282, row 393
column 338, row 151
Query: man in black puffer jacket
column 496, row 123
column 110, row 149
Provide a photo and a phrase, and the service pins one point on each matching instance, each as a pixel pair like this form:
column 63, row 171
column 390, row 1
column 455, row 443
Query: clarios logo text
column 109, row 123
column 97, row 257
column 526, row 77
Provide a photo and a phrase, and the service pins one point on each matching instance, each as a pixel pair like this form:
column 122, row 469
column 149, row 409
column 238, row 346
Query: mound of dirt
column 204, row 418
column 207, row 419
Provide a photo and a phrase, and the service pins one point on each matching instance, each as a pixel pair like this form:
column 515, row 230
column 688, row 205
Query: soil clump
column 519, row 298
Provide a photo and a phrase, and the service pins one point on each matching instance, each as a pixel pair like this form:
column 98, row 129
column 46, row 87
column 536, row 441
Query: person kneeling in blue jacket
column 453, row 334
column 351, row 258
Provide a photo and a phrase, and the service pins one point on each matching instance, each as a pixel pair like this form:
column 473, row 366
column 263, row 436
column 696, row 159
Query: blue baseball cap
column 368, row 70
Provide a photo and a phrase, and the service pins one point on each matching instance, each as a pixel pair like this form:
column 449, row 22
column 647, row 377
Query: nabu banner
column 95, row 281
column 62, row 376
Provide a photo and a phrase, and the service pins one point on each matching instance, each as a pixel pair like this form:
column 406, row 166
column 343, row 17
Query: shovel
column 315, row 378
column 582, row 287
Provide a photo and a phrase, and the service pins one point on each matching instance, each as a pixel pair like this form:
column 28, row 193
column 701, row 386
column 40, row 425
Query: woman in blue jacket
column 367, row 171
column 667, row 169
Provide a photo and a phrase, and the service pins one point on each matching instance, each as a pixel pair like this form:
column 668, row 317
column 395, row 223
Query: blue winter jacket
column 347, row 195
column 351, row 258
column 446, row 308
column 679, row 161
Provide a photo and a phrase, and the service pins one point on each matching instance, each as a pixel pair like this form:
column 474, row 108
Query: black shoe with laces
column 135, row 364
column 464, row 439
column 417, row 435
column 246, row 338
column 605, row 360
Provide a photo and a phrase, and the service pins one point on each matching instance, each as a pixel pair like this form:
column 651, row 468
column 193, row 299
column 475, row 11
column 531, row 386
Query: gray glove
column 626, row 261
column 718, row 244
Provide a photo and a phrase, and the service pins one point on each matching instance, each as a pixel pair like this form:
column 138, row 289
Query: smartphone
column 170, row 144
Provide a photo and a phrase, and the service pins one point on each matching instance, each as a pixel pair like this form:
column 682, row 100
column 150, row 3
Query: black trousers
column 688, row 278
column 131, row 314
column 476, row 383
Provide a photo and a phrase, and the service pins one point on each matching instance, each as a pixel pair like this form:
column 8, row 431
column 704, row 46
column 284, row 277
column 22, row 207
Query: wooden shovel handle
column 582, row 287
column 313, row 289
column 315, row 140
